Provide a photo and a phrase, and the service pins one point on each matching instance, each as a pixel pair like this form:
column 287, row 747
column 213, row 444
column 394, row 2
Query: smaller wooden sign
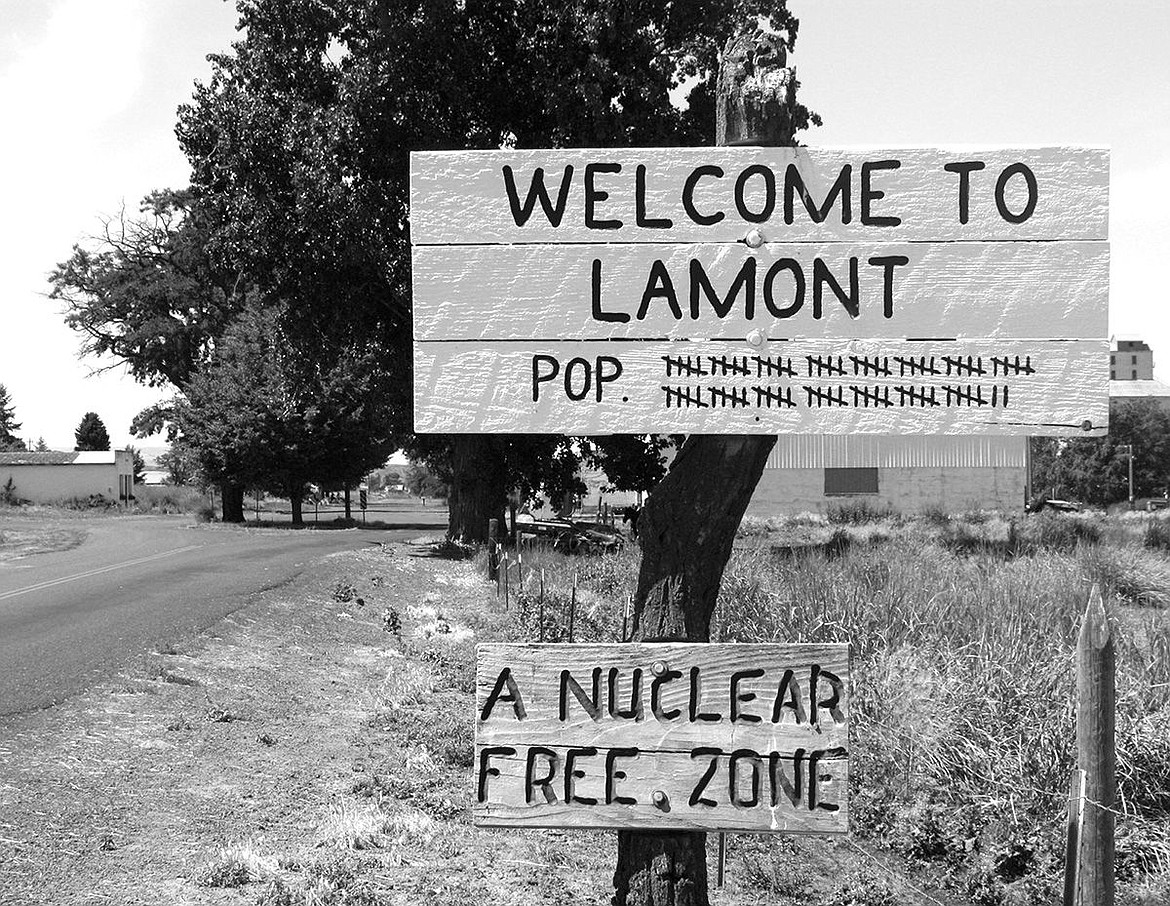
column 668, row 735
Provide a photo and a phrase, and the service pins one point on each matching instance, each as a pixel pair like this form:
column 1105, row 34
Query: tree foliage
column 269, row 415
column 147, row 292
column 1093, row 469
column 300, row 141
column 8, row 423
column 91, row 433
column 180, row 463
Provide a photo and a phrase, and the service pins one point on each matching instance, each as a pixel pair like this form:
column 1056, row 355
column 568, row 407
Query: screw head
column 1086, row 425
column 658, row 668
column 755, row 338
column 659, row 798
column 754, row 239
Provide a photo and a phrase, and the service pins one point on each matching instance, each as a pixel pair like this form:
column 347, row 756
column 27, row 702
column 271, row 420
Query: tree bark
column 662, row 869
column 688, row 525
column 477, row 491
column 296, row 498
column 232, row 499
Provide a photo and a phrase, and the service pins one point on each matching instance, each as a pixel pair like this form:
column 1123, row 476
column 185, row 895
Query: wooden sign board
column 665, row 735
column 761, row 290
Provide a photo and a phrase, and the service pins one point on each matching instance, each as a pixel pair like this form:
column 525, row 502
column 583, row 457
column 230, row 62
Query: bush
column 92, row 502
column 166, row 500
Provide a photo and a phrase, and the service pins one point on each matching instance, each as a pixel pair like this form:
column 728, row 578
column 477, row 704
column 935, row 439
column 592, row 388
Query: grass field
column 962, row 634
column 316, row 749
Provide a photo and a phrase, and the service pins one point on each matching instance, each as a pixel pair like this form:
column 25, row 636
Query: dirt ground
column 315, row 748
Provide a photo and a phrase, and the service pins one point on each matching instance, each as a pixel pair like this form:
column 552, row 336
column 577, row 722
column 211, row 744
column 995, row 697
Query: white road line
column 95, row 572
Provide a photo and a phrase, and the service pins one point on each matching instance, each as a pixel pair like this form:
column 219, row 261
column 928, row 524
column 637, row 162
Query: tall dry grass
column 962, row 633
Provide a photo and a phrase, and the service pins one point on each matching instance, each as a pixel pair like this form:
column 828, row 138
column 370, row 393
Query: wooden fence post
column 493, row 548
column 1072, row 851
column 573, row 606
column 1096, row 755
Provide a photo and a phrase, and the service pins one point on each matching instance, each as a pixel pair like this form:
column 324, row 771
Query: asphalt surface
column 71, row 618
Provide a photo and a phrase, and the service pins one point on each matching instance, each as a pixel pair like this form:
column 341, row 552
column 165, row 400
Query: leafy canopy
column 300, row 143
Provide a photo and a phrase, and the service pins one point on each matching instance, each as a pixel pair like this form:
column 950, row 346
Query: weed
column 8, row 493
column 236, row 865
column 329, row 882
column 777, row 870
column 863, row 888
column 1157, row 535
column 453, row 549
column 218, row 715
column 350, row 826
column 344, row 591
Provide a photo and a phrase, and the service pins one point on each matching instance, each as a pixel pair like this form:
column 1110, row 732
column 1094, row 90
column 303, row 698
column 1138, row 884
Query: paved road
column 70, row 618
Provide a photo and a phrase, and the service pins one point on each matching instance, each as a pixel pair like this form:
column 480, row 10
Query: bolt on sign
column 761, row 290
column 663, row 735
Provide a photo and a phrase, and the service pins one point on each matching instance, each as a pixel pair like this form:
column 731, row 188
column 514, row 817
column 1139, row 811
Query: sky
column 89, row 91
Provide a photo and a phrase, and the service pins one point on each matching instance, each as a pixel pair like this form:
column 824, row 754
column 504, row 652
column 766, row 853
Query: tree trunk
column 477, row 491
column 686, row 532
column 232, row 498
column 661, row 869
column 688, row 525
column 296, row 497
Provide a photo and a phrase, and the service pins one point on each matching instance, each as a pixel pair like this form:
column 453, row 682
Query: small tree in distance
column 180, row 464
column 8, row 423
column 91, row 434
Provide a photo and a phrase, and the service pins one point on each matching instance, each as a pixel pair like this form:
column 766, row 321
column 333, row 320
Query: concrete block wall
column 904, row 490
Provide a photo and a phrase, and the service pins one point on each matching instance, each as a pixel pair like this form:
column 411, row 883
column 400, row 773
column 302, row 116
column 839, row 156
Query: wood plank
column 676, row 774
column 649, row 735
column 546, row 292
column 461, row 197
column 537, row 671
column 798, row 387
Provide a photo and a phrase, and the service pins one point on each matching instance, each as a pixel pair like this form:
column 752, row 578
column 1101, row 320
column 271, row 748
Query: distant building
column 1129, row 390
column 1131, row 360
column 52, row 477
column 1131, row 375
column 814, row 473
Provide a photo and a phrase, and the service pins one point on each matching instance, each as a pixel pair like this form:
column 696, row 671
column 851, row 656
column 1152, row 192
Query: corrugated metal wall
column 819, row 451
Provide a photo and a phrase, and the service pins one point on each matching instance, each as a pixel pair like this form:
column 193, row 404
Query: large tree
column 146, row 293
column 278, row 416
column 301, row 142
column 91, row 433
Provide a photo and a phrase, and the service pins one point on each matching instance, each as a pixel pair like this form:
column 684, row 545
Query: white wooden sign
column 680, row 736
column 562, row 291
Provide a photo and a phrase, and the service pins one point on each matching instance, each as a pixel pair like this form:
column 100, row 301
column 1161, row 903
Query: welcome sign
column 761, row 290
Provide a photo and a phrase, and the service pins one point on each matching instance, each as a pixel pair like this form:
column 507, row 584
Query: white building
column 907, row 474
column 54, row 477
column 1131, row 360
